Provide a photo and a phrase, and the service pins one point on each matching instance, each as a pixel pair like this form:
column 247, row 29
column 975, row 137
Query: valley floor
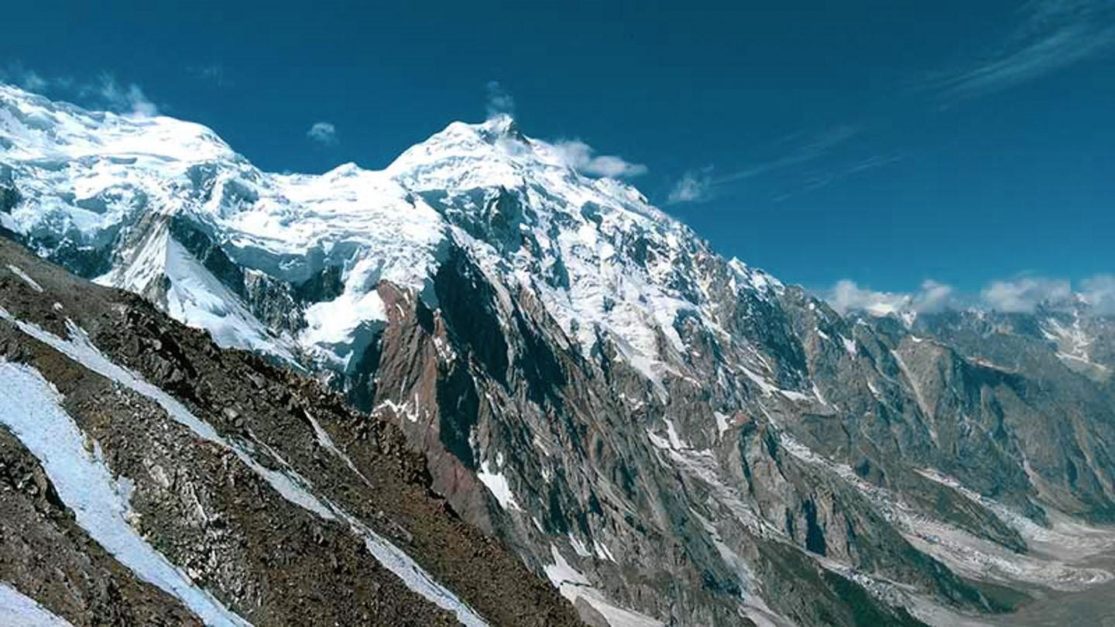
column 1094, row 605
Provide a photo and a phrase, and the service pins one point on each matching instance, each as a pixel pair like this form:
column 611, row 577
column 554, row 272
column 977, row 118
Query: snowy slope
column 92, row 185
column 33, row 412
column 601, row 256
column 31, row 408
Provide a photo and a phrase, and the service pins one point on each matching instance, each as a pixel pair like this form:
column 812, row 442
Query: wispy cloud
column 815, row 148
column 25, row 78
column 1051, row 35
column 214, row 73
column 103, row 92
column 693, row 186
column 1099, row 292
column 583, row 158
column 1025, row 294
column 701, row 185
column 323, row 133
column 498, row 101
column 829, row 177
column 128, row 99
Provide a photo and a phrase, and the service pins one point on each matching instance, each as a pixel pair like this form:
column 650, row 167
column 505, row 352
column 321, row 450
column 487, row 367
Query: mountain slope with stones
column 667, row 436
column 150, row 477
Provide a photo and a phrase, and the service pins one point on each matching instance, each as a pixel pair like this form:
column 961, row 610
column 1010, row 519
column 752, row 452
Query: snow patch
column 327, row 443
column 287, row 483
column 722, row 423
column 601, row 550
column 498, row 486
column 578, row 547
column 32, row 409
column 849, row 345
column 17, row 609
column 16, row 270
column 573, row 585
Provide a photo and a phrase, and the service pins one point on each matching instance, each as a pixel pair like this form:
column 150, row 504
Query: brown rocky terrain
column 265, row 558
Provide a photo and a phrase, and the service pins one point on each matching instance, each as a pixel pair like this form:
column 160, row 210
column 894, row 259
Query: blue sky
column 884, row 142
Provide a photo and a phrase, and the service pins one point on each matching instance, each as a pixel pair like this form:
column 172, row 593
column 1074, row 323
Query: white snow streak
column 573, row 585
column 498, row 486
column 16, row 270
column 289, row 484
column 17, row 609
column 32, row 409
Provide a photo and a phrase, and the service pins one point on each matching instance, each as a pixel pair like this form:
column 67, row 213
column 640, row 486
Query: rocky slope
column 150, row 477
column 666, row 435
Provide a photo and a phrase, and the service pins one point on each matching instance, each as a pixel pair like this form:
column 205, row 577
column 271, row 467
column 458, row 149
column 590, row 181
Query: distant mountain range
column 662, row 435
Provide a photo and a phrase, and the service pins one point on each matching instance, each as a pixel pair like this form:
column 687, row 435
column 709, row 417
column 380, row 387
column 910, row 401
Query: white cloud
column 1099, row 292
column 1024, row 294
column 1020, row 295
column 129, row 100
column 933, row 296
column 499, row 102
column 323, row 132
column 580, row 156
column 847, row 296
column 691, row 187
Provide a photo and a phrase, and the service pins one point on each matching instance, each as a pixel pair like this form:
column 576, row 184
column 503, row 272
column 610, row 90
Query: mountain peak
column 501, row 126
column 35, row 125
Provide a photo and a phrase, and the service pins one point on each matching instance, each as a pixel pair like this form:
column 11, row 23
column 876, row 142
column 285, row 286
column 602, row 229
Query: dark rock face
column 467, row 302
column 889, row 410
column 9, row 198
column 202, row 247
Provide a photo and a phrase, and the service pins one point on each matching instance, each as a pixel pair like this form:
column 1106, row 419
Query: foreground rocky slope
column 666, row 435
column 150, row 477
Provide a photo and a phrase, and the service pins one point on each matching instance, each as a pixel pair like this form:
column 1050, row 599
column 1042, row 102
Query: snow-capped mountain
column 666, row 435
column 107, row 188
